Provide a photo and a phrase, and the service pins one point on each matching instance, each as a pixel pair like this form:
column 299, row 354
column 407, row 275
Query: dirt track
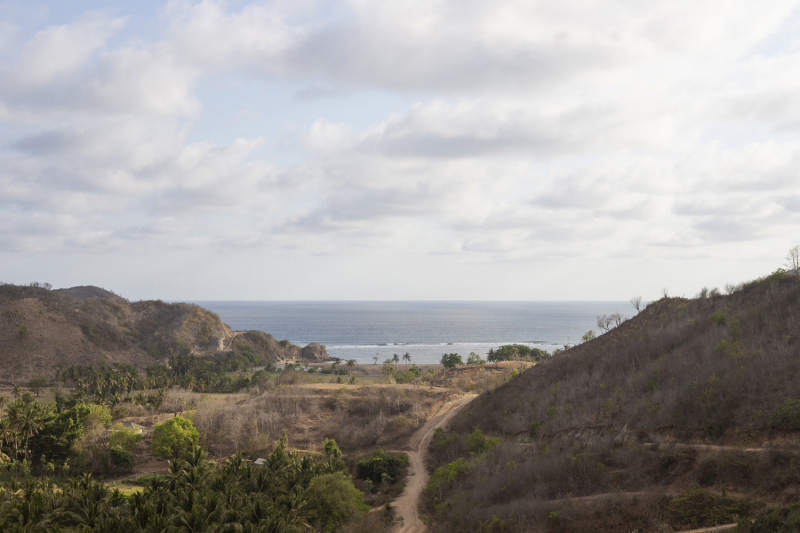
column 406, row 505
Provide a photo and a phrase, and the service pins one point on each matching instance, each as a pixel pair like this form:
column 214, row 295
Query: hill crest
column 41, row 330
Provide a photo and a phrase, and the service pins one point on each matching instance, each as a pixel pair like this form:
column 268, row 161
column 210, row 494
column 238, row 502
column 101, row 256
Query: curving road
column 406, row 505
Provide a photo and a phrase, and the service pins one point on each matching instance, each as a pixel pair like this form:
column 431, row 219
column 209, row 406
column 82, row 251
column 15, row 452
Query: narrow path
column 715, row 529
column 406, row 505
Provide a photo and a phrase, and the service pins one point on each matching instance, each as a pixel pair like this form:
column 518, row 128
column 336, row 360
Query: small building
column 134, row 426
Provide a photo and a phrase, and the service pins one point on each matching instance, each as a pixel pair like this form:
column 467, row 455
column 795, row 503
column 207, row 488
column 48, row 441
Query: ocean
column 424, row 329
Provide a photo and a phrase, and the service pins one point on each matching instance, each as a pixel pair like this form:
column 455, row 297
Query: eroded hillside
column 43, row 329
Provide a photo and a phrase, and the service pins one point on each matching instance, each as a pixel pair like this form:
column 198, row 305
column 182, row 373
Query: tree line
column 290, row 492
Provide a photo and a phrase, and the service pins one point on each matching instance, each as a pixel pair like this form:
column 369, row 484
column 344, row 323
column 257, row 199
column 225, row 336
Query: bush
column 335, row 501
column 121, row 457
column 145, row 481
column 697, row 508
column 782, row 520
column 512, row 352
column 786, row 415
column 443, row 479
column 718, row 317
column 478, row 443
column 407, row 377
column 475, row 359
column 125, row 438
column 380, row 466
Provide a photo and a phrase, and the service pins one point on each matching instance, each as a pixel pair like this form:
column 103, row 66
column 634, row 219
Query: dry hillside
column 41, row 329
column 686, row 415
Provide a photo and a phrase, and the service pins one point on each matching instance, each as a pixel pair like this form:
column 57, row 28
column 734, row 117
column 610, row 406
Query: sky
column 398, row 150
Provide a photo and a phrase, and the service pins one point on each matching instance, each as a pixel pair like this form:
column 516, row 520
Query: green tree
column 334, row 501
column 407, row 358
column 37, row 384
column 60, row 431
column 121, row 457
column 475, row 359
column 173, row 436
column 451, row 360
column 23, row 332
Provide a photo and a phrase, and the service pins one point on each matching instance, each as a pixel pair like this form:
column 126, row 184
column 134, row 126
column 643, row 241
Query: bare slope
column 41, row 329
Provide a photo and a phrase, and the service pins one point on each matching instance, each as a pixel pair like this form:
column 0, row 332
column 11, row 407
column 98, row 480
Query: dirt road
column 406, row 505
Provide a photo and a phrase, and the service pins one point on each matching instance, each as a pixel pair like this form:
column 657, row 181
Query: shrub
column 22, row 332
column 334, row 501
column 121, row 457
column 478, row 443
column 125, row 438
column 407, row 377
column 786, row 415
column 697, row 508
column 380, row 465
column 781, row 520
column 533, row 428
column 718, row 317
column 475, row 359
column 553, row 520
column 443, row 478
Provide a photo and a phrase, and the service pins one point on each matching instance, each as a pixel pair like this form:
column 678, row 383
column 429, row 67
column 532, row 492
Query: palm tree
column 14, row 413
column 16, row 391
column 407, row 358
column 375, row 359
column 3, row 402
column 351, row 363
column 395, row 358
column 29, row 425
column 5, row 432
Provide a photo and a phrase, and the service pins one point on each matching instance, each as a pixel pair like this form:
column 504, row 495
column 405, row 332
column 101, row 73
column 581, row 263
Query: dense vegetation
column 290, row 492
column 516, row 352
column 716, row 369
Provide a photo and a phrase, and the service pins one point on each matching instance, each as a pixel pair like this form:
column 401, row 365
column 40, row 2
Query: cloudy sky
column 398, row 149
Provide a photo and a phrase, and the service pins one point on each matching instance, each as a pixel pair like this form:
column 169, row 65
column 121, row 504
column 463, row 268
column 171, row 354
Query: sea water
column 425, row 330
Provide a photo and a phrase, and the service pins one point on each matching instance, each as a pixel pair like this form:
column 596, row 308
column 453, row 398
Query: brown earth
column 407, row 505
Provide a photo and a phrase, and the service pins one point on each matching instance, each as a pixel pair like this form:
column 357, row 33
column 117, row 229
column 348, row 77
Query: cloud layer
column 528, row 138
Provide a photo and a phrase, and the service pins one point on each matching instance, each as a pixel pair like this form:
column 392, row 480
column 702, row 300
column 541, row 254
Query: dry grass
column 356, row 417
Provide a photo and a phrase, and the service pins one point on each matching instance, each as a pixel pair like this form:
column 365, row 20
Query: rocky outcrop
column 314, row 352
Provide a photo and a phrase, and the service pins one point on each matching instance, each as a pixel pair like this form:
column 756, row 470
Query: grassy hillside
column 41, row 329
column 690, row 395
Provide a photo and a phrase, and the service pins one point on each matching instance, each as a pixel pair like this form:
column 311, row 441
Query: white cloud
column 62, row 50
column 522, row 132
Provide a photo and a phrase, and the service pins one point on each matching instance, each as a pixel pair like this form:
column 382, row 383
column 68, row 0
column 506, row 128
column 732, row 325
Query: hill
column 684, row 416
column 42, row 329
column 89, row 292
